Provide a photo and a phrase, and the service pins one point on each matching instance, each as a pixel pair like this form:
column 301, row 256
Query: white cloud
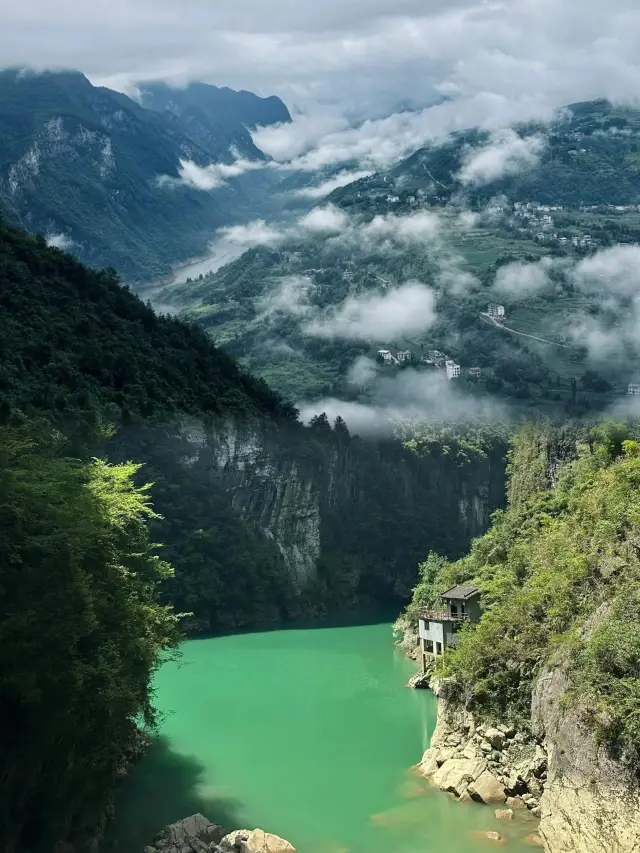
column 209, row 177
column 416, row 227
column 291, row 297
column 405, row 310
column 524, row 279
column 408, row 396
column 255, row 233
column 362, row 371
column 611, row 271
column 328, row 220
column 60, row 241
column 340, row 180
column 507, row 154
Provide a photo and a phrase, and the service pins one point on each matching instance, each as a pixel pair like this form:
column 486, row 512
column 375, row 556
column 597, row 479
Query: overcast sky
column 374, row 54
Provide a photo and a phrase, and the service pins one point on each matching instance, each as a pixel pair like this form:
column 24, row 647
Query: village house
column 633, row 388
column 437, row 628
column 496, row 311
column 453, row 369
column 404, row 355
column 385, row 355
column 474, row 371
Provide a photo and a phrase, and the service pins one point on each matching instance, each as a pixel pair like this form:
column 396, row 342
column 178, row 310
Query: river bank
column 309, row 734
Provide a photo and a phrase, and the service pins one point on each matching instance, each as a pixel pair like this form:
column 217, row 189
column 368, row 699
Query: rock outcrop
column 590, row 803
column 489, row 764
column 196, row 834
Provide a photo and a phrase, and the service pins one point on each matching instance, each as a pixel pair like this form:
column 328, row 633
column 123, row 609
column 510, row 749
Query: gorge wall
column 266, row 521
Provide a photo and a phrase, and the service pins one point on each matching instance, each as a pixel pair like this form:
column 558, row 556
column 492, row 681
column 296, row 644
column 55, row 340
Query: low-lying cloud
column 60, row 241
column 405, row 310
column 507, row 154
column 408, row 396
column 340, row 180
column 209, row 177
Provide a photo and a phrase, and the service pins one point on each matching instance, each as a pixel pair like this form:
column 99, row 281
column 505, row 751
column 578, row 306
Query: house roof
column 460, row 591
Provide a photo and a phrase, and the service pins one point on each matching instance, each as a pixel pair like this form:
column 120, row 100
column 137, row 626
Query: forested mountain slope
column 216, row 118
column 95, row 171
column 557, row 651
column 263, row 518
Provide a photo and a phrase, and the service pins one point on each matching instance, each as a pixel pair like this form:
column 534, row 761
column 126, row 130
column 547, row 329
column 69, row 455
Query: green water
column 309, row 734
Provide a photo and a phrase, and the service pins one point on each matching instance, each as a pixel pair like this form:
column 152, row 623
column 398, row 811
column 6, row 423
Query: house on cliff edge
column 437, row 628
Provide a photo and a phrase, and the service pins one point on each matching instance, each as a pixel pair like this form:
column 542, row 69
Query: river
column 309, row 734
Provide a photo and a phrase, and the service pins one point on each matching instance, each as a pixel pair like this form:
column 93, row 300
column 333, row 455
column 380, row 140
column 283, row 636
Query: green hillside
column 559, row 573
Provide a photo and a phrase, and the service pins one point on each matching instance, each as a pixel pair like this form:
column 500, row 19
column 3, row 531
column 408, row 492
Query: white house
column 385, row 355
column 496, row 311
column 633, row 388
column 474, row 371
column 404, row 355
column 453, row 370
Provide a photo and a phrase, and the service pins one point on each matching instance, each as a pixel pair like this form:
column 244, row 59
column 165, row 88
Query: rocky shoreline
column 495, row 765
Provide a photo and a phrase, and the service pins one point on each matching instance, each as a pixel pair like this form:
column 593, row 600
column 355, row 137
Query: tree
column 80, row 638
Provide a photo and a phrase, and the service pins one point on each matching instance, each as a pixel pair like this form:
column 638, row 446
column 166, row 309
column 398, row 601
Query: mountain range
column 99, row 173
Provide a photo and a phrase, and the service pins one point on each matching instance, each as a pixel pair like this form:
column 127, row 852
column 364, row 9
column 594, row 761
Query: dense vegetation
column 75, row 343
column 84, row 163
column 80, row 635
column 559, row 573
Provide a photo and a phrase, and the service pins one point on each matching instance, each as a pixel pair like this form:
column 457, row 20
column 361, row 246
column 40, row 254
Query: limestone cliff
column 297, row 521
column 591, row 804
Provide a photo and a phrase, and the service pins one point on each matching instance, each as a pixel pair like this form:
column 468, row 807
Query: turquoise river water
column 309, row 734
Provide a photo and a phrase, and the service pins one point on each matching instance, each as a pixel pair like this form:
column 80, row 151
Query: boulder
column 504, row 814
column 516, row 803
column 534, row 840
column 429, row 763
column 193, row 834
column 455, row 774
column 493, row 836
column 487, row 789
column 256, row 841
column 495, row 737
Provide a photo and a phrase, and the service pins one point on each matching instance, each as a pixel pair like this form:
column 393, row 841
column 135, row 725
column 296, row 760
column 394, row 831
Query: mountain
column 567, row 191
column 587, row 156
column 216, row 118
column 98, row 173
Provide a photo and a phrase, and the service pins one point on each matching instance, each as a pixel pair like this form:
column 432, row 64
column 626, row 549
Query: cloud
column 362, row 371
column 410, row 395
column 612, row 271
column 405, row 310
column 369, row 55
column 507, row 154
column 524, row 279
column 209, row 177
column 340, row 180
column 60, row 241
column 327, row 219
column 290, row 297
column 254, row 233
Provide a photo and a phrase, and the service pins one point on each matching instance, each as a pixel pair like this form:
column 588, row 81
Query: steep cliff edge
column 265, row 520
column 548, row 680
column 591, row 803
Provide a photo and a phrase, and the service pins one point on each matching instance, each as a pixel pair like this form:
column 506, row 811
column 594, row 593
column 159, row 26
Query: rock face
column 196, row 834
column 590, row 804
column 310, row 496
